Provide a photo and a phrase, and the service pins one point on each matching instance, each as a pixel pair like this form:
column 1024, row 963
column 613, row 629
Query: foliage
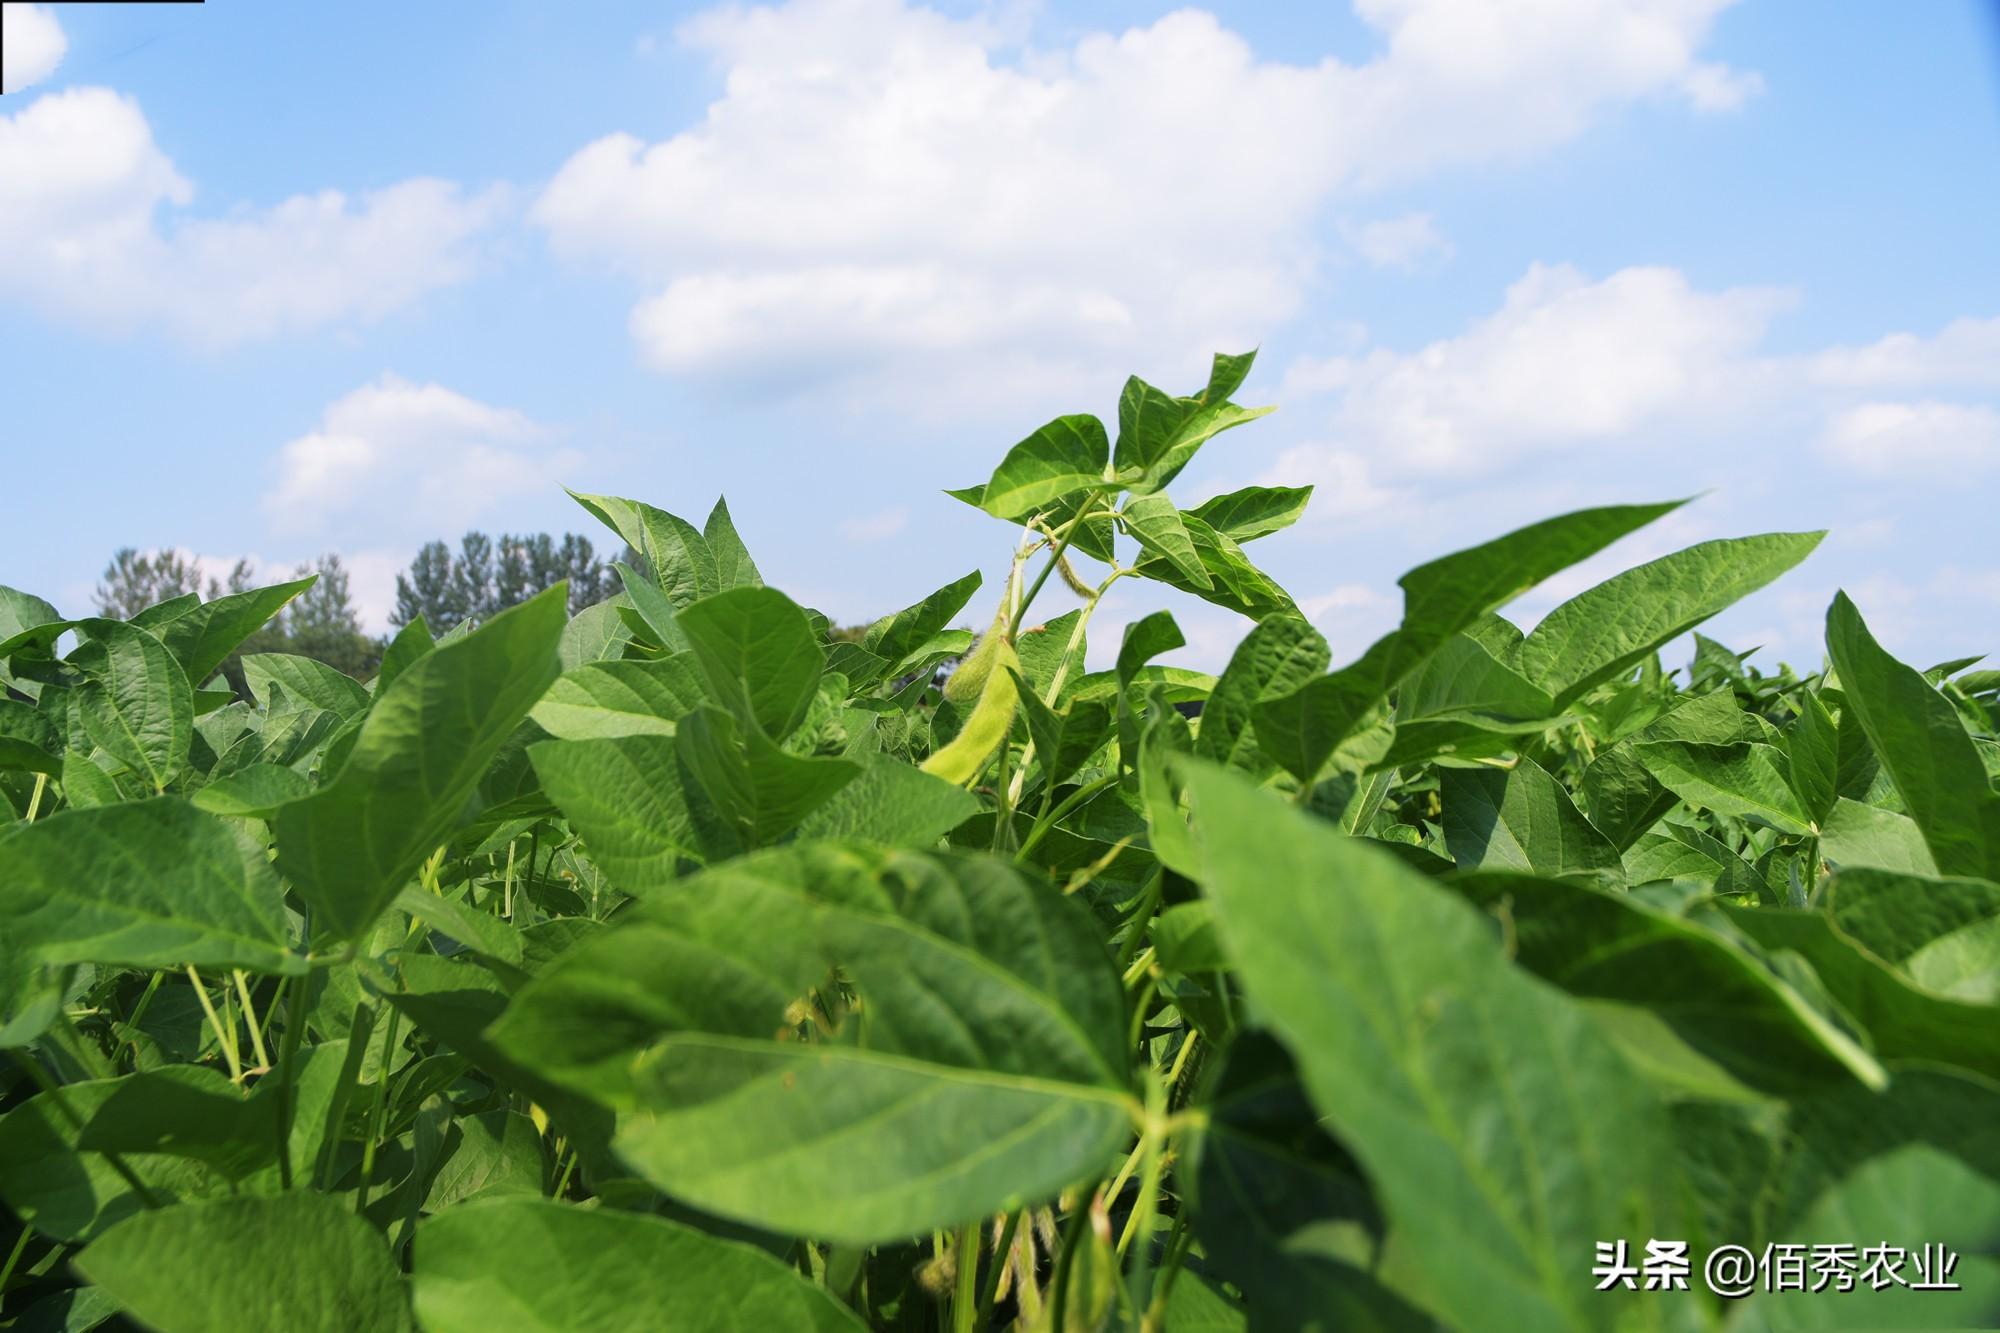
column 672, row 960
column 319, row 622
column 486, row 576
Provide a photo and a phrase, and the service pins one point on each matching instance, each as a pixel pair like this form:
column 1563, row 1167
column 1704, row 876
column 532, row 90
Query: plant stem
column 14, row 1258
column 35, row 801
column 989, row 1292
column 380, row 1114
column 139, row 1012
column 225, row 1040
column 297, row 993
column 965, row 1298
column 1149, row 902
column 250, row 1018
column 1054, row 690
column 1056, row 551
column 507, row 889
column 1048, row 819
column 1072, row 1234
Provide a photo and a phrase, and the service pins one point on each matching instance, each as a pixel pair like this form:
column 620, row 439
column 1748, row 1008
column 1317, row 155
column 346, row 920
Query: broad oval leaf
column 604, row 1270
column 983, row 1066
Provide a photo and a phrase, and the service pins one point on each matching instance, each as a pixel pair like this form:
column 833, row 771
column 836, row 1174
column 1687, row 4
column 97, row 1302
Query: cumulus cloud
column 93, row 230
column 1886, row 439
column 394, row 447
column 1563, row 360
column 31, row 46
column 880, row 185
column 1964, row 352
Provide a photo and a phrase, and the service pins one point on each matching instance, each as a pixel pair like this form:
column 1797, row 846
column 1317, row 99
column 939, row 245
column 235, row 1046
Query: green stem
column 1056, row 552
column 14, row 1259
column 380, row 1115
column 1149, row 902
column 1054, row 690
column 965, row 1298
column 250, row 1017
column 35, row 801
column 1072, row 1235
column 297, row 994
column 139, row 1012
column 60, row 1101
column 1048, row 819
column 226, row 1040
column 507, row 889
column 989, row 1291
column 1178, row 1242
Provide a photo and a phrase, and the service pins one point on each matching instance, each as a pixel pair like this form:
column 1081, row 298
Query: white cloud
column 1965, row 352
column 397, row 448
column 1342, row 480
column 31, row 46
column 875, row 527
column 83, row 191
column 1405, row 242
column 1913, row 439
column 1564, row 360
column 1714, row 88
column 882, row 188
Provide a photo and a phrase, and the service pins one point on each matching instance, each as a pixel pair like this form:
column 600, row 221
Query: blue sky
column 278, row 279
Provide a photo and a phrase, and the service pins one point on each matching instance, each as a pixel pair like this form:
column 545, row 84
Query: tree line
column 445, row 587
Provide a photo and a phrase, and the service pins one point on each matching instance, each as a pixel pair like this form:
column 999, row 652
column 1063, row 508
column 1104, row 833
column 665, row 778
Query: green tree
column 134, row 581
column 486, row 575
column 321, row 622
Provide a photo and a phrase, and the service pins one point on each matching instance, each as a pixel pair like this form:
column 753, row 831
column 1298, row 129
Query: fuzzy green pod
column 968, row 681
column 991, row 718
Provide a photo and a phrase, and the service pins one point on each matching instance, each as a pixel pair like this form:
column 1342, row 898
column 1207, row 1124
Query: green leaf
column 1227, row 578
column 677, row 555
column 152, row 883
column 254, row 792
column 480, row 932
column 1904, row 1021
column 1518, row 819
column 1601, row 632
column 28, row 740
column 305, row 681
column 74, row 1195
column 1301, row 730
column 318, row 1267
column 629, row 799
column 1812, row 746
column 1145, row 639
column 1284, row 1213
column 1156, row 524
column 1708, row 989
column 137, row 704
column 1750, row 780
column 1158, row 434
column 26, row 618
column 1922, row 743
column 762, row 790
column 893, row 804
column 593, row 634
column 349, row 847
column 982, row 1068
column 899, row 635
column 1495, row 1123
column 1279, row 654
column 632, row 698
column 761, row 657
column 1623, row 799
column 733, row 566
column 1063, row 741
column 412, row 641
column 209, row 633
column 1254, row 511
column 652, row 606
column 1943, row 934
column 1066, row 456
column 605, row 1270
